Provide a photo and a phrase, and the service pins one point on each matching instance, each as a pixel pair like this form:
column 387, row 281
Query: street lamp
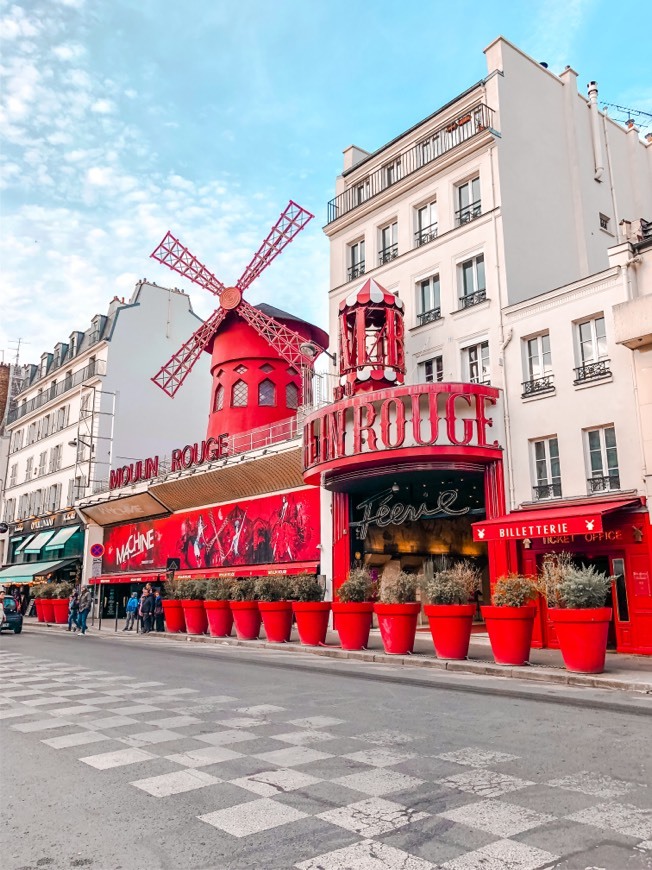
column 311, row 350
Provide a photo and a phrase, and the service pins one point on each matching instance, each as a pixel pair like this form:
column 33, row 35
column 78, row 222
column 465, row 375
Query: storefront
column 613, row 535
column 46, row 548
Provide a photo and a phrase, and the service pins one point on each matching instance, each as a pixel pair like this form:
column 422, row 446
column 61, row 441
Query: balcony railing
column 592, row 371
column 387, row 254
column 604, row 482
column 468, row 213
column 425, row 235
column 355, row 271
column 538, row 386
column 547, row 490
column 439, row 142
column 475, row 298
column 430, row 316
column 78, row 378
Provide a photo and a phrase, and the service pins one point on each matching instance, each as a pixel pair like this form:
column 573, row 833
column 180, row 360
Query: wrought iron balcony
column 603, row 482
column 538, row 386
column 431, row 148
column 547, row 490
column 425, row 235
column 68, row 383
column 355, row 271
column 592, row 371
column 468, row 213
column 430, row 316
column 475, row 298
column 387, row 254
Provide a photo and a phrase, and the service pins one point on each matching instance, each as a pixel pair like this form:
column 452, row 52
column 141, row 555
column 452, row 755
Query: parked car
column 12, row 618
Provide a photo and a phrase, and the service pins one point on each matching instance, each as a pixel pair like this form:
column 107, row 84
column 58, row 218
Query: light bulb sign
column 383, row 509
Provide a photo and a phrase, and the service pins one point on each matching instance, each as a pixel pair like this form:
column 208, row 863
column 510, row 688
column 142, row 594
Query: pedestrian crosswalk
column 375, row 800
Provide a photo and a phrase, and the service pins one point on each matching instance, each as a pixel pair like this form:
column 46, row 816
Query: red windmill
column 257, row 357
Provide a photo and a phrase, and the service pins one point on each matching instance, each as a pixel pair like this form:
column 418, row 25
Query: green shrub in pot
column 191, row 590
column 219, row 589
column 513, row 590
column 454, row 585
column 402, row 588
column 566, row 585
column 273, row 589
column 358, row 587
column 244, row 589
column 306, row 587
column 63, row 590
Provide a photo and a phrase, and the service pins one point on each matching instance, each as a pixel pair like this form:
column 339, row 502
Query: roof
column 371, row 291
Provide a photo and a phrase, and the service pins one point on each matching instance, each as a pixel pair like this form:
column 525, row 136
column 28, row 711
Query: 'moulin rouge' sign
column 181, row 459
column 412, row 422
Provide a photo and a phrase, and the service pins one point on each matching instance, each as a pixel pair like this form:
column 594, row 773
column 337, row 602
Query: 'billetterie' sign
column 458, row 419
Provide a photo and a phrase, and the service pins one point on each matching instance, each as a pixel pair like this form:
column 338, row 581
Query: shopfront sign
column 545, row 527
column 383, row 510
column 279, row 528
column 40, row 524
column 451, row 418
column 182, row 459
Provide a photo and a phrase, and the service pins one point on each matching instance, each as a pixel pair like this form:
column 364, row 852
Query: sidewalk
column 624, row 672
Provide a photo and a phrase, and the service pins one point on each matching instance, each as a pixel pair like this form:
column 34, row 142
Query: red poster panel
column 278, row 528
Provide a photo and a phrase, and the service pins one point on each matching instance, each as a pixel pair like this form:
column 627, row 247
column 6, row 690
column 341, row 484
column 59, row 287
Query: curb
column 533, row 673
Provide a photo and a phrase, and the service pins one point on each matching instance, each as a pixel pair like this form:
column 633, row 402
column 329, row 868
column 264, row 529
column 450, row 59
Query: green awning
column 37, row 543
column 59, row 540
column 20, row 548
column 29, row 570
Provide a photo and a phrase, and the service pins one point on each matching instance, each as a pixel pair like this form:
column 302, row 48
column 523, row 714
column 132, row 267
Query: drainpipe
column 614, row 203
column 595, row 131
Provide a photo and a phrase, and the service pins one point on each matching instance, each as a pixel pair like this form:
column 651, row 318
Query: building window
column 85, row 406
column 241, row 369
column 29, row 468
column 537, row 361
column 62, row 418
column 218, row 404
column 428, row 300
column 477, row 363
column 55, row 458
column 13, row 474
column 10, row 510
column 356, row 260
column 45, row 426
column 42, row 463
column 469, row 205
column 426, row 220
column 240, row 394
column 547, row 470
column 430, row 148
column 604, row 222
column 267, row 368
column 292, row 396
column 32, row 433
column 392, row 172
column 388, row 243
column 67, row 381
column 362, row 192
column 54, row 498
column 16, row 441
column 602, row 459
column 432, row 370
column 591, row 337
column 266, row 393
column 471, row 279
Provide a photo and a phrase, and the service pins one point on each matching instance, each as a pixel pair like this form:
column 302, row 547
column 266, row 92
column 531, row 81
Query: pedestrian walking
column 73, row 611
column 132, row 611
column 159, row 622
column 85, row 602
column 147, row 610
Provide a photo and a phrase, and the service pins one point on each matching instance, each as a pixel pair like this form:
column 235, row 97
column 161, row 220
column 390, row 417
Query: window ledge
column 594, row 382
column 423, row 325
column 535, row 397
column 480, row 306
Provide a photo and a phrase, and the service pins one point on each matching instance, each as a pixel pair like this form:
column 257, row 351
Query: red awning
column 551, row 520
column 210, row 573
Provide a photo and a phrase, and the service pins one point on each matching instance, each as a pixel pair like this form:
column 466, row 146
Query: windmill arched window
column 218, row 404
column 292, row 396
column 240, row 394
column 266, row 393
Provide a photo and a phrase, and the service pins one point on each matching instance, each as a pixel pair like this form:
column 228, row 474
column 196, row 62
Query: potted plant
column 576, row 599
column 192, row 594
column 47, row 604
column 510, row 619
column 38, row 594
column 273, row 594
column 310, row 610
column 216, row 605
column 450, row 615
column 60, row 603
column 175, row 621
column 244, row 606
column 397, row 612
column 353, row 611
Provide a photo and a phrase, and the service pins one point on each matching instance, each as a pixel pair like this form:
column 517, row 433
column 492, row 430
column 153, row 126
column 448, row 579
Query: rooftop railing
column 53, row 392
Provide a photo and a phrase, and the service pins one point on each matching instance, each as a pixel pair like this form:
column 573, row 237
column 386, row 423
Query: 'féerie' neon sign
column 395, row 514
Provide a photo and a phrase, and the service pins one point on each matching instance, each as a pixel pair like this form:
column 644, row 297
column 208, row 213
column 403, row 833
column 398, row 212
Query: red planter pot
column 47, row 608
column 312, row 621
column 450, row 627
column 352, row 621
column 510, row 632
column 60, row 610
column 38, row 603
column 247, row 619
column 175, row 621
column 398, row 626
column 220, row 618
column 582, row 636
column 277, row 620
column 195, row 616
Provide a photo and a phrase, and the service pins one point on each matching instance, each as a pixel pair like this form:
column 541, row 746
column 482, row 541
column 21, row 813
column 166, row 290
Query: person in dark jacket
column 159, row 623
column 73, row 611
column 85, row 602
column 147, row 610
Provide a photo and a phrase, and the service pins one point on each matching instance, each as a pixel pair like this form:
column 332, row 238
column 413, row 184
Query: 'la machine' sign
column 449, row 419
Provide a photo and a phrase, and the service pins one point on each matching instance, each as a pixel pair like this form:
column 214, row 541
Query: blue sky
column 121, row 119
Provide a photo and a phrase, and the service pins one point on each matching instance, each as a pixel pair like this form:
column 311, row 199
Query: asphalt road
column 119, row 755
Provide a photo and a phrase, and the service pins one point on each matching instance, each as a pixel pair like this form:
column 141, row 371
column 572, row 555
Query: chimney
column 595, row 131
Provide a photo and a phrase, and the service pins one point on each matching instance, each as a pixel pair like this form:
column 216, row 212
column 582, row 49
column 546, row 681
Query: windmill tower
column 261, row 357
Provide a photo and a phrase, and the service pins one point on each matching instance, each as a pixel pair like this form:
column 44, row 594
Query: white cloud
column 103, row 107
column 555, row 28
column 16, row 25
column 69, row 51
